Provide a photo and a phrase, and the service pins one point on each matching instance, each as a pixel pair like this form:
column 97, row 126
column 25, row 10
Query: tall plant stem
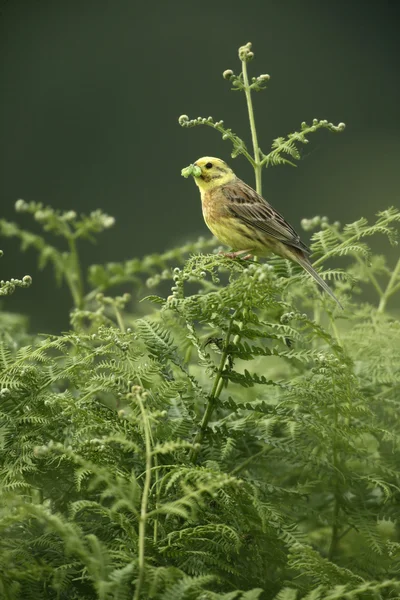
column 150, row 468
column 391, row 288
column 119, row 318
column 214, row 395
column 256, row 149
column 336, row 503
column 74, row 274
column 145, row 499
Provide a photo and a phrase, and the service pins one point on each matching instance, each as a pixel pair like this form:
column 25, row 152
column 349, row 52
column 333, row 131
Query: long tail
column 310, row 269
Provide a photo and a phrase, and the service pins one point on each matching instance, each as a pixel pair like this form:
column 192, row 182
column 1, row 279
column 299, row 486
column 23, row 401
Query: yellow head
column 212, row 172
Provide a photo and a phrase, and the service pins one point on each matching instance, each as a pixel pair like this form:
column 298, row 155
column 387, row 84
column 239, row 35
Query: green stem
column 156, row 467
column 395, row 289
column 257, row 163
column 335, row 331
column 250, row 459
column 345, row 532
column 73, row 289
column 213, row 397
column 391, row 288
column 145, row 499
column 336, row 508
column 120, row 321
column 157, row 494
column 74, row 277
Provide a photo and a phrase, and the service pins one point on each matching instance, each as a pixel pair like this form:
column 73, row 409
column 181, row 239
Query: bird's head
column 209, row 172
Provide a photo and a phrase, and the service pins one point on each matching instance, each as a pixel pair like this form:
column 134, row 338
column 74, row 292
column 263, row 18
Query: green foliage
column 235, row 436
column 8, row 287
column 66, row 225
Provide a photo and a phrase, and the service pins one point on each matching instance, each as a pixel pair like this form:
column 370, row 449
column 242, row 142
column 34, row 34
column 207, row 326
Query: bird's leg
column 247, row 257
column 238, row 254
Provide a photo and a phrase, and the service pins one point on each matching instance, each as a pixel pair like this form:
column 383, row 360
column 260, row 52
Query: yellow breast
column 226, row 228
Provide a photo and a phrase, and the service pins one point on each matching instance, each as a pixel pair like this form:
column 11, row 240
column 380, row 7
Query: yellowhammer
column 240, row 218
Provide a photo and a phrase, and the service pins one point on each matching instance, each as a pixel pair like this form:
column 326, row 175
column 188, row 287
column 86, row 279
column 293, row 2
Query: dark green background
column 91, row 92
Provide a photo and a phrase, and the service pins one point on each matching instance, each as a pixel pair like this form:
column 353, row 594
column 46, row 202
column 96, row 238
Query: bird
column 243, row 220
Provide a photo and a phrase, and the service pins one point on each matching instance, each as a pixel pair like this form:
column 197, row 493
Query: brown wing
column 251, row 208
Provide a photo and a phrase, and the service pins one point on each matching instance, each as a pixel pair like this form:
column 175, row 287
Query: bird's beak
column 191, row 170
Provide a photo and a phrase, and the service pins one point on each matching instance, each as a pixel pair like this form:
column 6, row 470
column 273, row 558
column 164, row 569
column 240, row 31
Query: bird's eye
column 209, row 166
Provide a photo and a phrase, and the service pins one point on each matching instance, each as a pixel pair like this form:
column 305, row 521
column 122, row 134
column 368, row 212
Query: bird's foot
column 239, row 254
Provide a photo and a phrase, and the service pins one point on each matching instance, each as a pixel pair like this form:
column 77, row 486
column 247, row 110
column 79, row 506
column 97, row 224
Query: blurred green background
column 91, row 92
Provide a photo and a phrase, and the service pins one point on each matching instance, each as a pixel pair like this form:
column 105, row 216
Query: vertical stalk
column 119, row 318
column 335, row 331
column 214, row 395
column 256, row 149
column 73, row 289
column 390, row 288
column 155, row 529
column 336, row 506
column 145, row 499
column 74, row 277
column 157, row 498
